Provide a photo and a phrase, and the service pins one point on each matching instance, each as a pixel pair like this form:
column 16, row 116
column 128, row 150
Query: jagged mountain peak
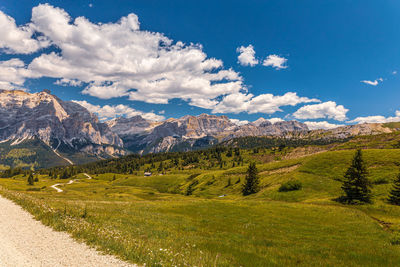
column 135, row 125
column 259, row 121
column 189, row 129
column 44, row 116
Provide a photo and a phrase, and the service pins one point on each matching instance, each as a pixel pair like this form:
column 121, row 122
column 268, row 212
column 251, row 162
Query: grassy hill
column 195, row 214
column 35, row 154
column 32, row 153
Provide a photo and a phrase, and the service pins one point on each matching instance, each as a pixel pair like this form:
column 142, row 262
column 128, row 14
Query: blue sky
column 328, row 49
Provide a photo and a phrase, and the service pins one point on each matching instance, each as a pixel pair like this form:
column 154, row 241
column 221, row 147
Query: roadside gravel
column 26, row 242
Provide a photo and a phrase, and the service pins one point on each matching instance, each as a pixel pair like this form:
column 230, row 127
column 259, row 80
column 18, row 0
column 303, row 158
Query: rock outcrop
column 44, row 116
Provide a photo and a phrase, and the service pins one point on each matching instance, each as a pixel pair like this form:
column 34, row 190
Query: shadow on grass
column 348, row 201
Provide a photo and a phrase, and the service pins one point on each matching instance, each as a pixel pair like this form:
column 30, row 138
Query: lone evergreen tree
column 394, row 197
column 356, row 185
column 30, row 179
column 160, row 167
column 251, row 182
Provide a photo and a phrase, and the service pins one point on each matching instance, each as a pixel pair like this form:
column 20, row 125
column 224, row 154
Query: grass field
column 150, row 220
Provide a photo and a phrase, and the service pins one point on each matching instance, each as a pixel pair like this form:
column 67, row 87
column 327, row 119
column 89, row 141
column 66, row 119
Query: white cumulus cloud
column 315, row 125
column 275, row 61
column 13, row 74
column 264, row 103
column 377, row 119
column 247, row 56
column 275, row 120
column 18, row 39
column 119, row 59
column 239, row 122
column 109, row 112
column 328, row 110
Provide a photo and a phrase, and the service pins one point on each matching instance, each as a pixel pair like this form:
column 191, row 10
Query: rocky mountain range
column 192, row 132
column 64, row 126
column 69, row 129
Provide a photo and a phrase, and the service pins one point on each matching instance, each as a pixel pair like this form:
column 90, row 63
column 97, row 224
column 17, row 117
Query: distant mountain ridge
column 67, row 127
column 191, row 132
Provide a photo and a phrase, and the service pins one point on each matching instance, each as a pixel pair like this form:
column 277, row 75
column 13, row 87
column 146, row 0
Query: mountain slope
column 62, row 125
column 192, row 132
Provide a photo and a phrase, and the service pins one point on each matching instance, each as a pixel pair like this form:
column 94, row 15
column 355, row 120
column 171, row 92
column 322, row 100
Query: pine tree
column 64, row 175
column 251, row 184
column 237, row 151
column 160, row 167
column 30, row 179
column 394, row 197
column 356, row 185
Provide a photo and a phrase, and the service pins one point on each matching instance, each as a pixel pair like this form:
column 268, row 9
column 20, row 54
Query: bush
column 381, row 180
column 395, row 240
column 291, row 186
column 33, row 189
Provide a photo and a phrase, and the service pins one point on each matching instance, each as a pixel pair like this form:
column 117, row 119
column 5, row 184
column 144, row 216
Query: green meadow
column 155, row 221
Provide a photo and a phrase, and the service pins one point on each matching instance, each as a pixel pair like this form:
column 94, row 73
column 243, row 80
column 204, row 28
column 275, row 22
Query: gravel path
column 26, row 242
column 59, row 190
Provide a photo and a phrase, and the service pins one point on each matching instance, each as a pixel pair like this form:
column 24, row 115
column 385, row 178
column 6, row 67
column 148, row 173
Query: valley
column 195, row 214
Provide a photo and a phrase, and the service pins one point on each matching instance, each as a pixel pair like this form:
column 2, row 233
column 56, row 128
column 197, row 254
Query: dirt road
column 26, row 242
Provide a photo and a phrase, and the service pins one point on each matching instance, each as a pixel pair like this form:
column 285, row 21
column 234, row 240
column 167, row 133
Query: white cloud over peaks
column 13, row 74
column 18, row 40
column 275, row 120
column 328, row 110
column 315, row 125
column 109, row 112
column 239, row 122
column 376, row 119
column 247, row 56
column 265, row 103
column 276, row 62
column 373, row 83
column 119, row 59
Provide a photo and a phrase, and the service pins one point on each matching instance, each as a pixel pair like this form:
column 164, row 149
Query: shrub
column 381, row 180
column 395, row 240
column 33, row 189
column 291, row 186
column 30, row 179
